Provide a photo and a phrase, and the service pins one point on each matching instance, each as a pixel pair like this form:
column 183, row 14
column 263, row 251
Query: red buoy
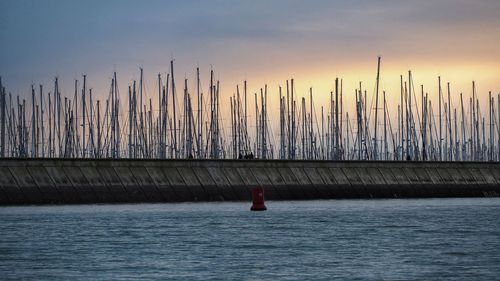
column 258, row 199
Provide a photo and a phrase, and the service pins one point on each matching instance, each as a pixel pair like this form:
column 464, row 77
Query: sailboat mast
column 375, row 152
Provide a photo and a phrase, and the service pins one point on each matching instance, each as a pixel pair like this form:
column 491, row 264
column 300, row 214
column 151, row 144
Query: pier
column 83, row 181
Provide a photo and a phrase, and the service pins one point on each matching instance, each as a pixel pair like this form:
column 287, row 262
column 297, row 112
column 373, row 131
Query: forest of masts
column 49, row 125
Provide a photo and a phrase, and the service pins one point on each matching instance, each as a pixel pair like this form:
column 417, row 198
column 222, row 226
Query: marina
column 249, row 140
column 181, row 122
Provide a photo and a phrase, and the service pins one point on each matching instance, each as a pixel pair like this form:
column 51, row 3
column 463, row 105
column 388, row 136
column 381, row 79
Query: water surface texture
column 427, row 239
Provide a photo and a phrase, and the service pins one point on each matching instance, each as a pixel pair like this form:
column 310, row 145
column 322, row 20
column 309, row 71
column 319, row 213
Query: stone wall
column 65, row 181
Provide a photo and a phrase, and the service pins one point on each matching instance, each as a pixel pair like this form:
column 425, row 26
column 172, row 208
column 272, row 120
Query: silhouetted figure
column 240, row 156
column 190, row 156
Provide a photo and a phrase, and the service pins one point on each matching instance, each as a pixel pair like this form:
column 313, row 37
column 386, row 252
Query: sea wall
column 70, row 181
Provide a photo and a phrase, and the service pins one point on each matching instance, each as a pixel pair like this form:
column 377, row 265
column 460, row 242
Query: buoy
column 258, row 199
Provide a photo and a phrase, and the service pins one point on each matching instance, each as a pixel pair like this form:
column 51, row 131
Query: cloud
column 258, row 38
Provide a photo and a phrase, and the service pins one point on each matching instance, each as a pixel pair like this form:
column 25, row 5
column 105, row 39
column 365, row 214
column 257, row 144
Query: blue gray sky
column 262, row 41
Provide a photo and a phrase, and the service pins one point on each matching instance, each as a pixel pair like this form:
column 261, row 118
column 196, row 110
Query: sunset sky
column 261, row 41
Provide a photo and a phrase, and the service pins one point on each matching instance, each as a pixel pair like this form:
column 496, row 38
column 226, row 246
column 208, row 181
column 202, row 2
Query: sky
column 264, row 42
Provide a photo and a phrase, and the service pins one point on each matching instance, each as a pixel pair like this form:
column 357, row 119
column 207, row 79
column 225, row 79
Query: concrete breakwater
column 70, row 181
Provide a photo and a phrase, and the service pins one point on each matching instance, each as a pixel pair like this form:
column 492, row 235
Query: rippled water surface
column 302, row 240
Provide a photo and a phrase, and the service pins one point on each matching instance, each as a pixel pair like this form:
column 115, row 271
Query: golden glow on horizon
column 460, row 77
column 322, row 80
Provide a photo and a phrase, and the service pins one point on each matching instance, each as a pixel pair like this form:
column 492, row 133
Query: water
column 309, row 240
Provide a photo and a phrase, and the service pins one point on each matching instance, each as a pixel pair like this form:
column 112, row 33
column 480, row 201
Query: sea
column 397, row 239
